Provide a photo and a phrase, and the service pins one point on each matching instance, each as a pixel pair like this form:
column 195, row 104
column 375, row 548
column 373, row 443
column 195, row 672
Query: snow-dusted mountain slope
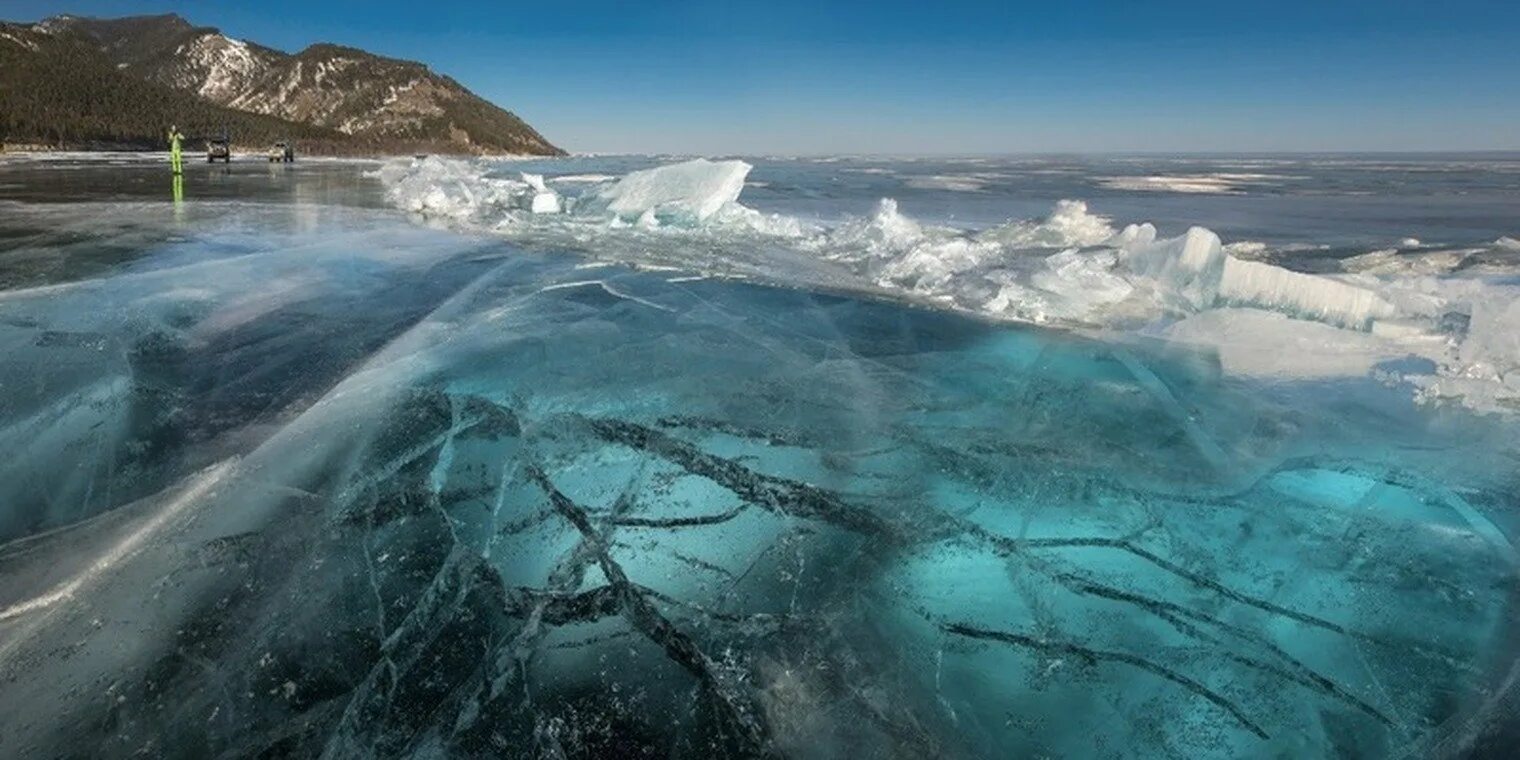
column 357, row 93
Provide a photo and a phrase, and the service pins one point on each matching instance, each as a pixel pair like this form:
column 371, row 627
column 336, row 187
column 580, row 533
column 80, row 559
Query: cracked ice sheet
column 803, row 510
column 165, row 362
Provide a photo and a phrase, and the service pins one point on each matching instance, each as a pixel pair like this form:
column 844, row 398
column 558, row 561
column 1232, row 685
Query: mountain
column 356, row 100
column 171, row 51
column 59, row 90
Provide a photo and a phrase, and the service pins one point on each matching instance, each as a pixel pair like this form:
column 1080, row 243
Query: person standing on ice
column 175, row 155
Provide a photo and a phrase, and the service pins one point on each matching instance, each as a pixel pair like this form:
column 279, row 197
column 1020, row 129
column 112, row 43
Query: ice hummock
column 1070, row 223
column 1307, row 296
column 445, row 188
column 544, row 200
column 1195, row 268
column 694, row 190
column 454, row 189
column 1072, row 266
column 690, row 192
column 1188, row 268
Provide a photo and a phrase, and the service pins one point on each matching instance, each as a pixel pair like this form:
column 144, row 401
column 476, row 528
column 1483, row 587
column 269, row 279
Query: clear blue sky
column 815, row 76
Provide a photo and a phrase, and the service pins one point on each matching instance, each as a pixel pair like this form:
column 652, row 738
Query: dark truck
column 218, row 149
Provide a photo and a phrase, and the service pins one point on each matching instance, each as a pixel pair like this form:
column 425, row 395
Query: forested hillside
column 74, row 82
column 58, row 89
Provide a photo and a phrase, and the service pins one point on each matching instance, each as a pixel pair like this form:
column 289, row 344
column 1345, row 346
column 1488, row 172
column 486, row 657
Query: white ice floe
column 695, row 189
column 1196, row 271
column 1188, row 267
column 1133, row 234
column 950, row 182
column 1393, row 262
column 1225, row 183
column 544, row 201
column 1321, row 299
column 1246, row 249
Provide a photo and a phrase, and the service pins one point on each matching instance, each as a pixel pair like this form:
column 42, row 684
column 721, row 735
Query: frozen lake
column 639, row 457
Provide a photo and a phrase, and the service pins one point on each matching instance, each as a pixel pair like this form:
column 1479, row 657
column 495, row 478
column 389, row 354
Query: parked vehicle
column 218, row 149
column 282, row 151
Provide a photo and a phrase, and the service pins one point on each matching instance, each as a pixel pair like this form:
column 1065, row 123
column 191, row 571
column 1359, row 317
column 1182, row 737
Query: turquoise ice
column 439, row 494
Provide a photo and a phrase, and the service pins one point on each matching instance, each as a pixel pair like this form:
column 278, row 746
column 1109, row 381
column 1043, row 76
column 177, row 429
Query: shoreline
column 245, row 155
column 322, row 148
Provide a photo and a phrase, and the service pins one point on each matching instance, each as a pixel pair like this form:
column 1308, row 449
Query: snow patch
column 22, row 41
column 1227, row 183
column 1170, row 184
column 224, row 67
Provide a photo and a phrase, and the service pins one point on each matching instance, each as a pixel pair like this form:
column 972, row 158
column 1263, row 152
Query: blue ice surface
column 475, row 500
column 1191, row 569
